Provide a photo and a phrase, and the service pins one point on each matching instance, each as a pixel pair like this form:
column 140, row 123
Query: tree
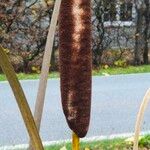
column 101, row 39
column 109, row 31
column 146, row 30
column 142, row 31
column 24, row 27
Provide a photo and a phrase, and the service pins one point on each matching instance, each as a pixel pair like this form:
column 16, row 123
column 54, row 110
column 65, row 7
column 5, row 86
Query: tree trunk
column 25, row 66
column 98, row 39
column 146, row 31
column 137, row 50
column 97, row 58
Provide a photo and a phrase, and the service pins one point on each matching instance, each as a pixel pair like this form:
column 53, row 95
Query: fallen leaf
column 131, row 140
column 63, row 148
column 105, row 74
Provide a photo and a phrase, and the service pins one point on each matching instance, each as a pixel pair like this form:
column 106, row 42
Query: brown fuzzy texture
column 76, row 63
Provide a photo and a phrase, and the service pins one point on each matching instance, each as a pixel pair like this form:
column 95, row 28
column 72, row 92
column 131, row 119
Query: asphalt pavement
column 115, row 103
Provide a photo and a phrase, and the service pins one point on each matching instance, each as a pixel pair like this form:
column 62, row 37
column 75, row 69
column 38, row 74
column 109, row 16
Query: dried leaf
column 63, row 148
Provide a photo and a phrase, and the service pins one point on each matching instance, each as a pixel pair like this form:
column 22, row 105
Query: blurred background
column 121, row 33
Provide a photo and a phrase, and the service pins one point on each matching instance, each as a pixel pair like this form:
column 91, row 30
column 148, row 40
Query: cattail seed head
column 76, row 63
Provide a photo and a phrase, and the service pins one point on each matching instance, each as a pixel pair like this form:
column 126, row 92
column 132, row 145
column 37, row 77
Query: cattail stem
column 75, row 142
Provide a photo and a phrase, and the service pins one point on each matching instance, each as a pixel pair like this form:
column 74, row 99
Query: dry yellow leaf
column 63, row 148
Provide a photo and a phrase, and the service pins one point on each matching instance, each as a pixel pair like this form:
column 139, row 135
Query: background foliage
column 121, row 32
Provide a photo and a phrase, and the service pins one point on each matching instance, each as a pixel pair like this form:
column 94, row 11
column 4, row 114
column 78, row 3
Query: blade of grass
column 139, row 120
column 45, row 67
column 21, row 100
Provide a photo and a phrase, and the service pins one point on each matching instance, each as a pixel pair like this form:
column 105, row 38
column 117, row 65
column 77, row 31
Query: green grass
column 120, row 70
column 23, row 76
column 101, row 72
column 113, row 144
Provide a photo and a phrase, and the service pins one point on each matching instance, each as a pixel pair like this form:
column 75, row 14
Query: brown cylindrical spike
column 76, row 63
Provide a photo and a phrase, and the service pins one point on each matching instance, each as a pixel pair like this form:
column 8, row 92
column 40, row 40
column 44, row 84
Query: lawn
column 121, row 70
column 97, row 145
column 101, row 72
column 23, row 76
column 114, row 144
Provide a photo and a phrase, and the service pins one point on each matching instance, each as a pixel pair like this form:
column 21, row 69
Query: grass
column 114, row 144
column 101, row 72
column 121, row 70
column 97, row 145
column 23, row 76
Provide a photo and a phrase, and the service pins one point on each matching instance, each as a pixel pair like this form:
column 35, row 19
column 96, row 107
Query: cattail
column 76, row 63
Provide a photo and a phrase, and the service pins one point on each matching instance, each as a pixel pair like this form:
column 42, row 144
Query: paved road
column 115, row 103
